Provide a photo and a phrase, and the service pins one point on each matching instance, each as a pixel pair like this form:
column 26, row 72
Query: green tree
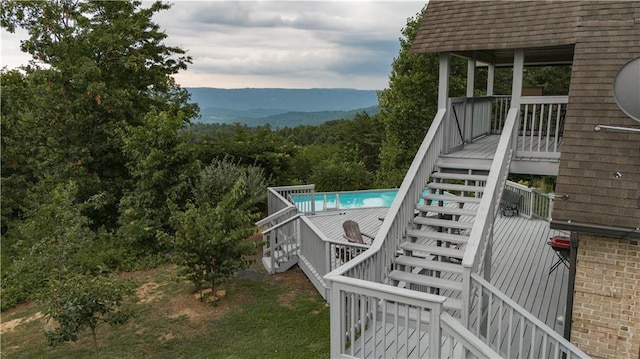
column 341, row 175
column 409, row 104
column 77, row 302
column 210, row 238
column 163, row 163
column 98, row 67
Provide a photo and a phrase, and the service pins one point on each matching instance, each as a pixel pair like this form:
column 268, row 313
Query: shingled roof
column 603, row 36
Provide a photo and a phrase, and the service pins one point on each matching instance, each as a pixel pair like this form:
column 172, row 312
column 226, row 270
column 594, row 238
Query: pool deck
column 520, row 262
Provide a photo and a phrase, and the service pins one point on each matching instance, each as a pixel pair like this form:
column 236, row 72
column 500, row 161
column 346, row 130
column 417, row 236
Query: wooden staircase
column 432, row 252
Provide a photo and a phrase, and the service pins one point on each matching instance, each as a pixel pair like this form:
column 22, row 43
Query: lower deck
column 519, row 267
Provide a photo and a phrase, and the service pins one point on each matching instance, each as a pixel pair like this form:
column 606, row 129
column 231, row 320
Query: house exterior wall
column 606, row 311
column 608, row 38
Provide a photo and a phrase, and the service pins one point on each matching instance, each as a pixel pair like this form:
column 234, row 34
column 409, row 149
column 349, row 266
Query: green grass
column 261, row 317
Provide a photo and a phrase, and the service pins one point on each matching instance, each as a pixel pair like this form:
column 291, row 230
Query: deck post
column 444, row 103
column 516, row 92
column 336, row 318
column 443, row 80
column 469, row 118
column 435, row 339
column 491, row 74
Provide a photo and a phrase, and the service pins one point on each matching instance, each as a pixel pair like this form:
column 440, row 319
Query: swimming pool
column 346, row 200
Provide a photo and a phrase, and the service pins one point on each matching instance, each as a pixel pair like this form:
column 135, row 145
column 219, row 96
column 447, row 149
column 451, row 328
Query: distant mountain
column 281, row 107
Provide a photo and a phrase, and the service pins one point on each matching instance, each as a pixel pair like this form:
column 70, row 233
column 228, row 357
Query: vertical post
column 518, row 71
column 443, row 80
column 336, row 319
column 328, row 257
column 435, row 338
column 469, row 116
column 313, row 199
column 466, row 296
column 573, row 259
column 516, row 93
column 491, row 74
column 488, row 253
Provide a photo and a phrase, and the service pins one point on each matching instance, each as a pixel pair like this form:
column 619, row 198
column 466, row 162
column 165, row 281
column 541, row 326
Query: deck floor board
column 520, row 262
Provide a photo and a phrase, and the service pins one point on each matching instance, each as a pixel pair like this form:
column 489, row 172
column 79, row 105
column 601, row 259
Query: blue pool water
column 346, row 200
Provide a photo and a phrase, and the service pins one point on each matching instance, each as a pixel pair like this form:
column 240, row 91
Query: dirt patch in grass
column 169, row 314
column 12, row 324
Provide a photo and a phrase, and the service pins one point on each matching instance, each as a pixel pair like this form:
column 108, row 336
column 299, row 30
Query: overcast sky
column 287, row 44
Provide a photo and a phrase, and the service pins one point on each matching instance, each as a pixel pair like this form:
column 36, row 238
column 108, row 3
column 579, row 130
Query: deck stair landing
column 435, row 243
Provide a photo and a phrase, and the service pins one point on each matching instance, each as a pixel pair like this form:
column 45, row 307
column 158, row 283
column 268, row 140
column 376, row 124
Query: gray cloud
column 283, row 43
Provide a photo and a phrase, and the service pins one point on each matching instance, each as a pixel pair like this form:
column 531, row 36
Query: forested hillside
column 281, row 107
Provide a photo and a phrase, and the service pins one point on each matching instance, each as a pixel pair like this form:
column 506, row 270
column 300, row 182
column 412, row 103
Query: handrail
column 282, row 223
column 491, row 193
column 401, row 212
column 367, row 273
column 468, row 340
column 474, row 257
column 274, row 216
column 506, row 310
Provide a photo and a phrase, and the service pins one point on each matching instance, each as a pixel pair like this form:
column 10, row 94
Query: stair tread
column 455, row 187
column 459, row 176
column 445, row 223
column 432, row 249
column 446, row 210
column 426, row 280
column 464, row 164
column 427, row 263
column 451, row 198
column 441, row 236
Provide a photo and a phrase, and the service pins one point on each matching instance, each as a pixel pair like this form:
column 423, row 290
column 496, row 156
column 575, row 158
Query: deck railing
column 512, row 331
column 304, row 191
column 376, row 320
column 468, row 119
column 281, row 242
column 371, row 268
column 541, row 125
column 533, row 203
column 319, row 255
column 475, row 258
column 499, row 109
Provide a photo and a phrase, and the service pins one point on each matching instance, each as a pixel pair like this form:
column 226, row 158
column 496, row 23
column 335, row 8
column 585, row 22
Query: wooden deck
column 330, row 222
column 529, row 160
column 520, row 262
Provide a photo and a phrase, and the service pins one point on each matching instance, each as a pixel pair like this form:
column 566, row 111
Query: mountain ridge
column 281, row 106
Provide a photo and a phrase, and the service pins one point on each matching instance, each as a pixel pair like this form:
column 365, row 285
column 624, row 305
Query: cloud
column 284, row 43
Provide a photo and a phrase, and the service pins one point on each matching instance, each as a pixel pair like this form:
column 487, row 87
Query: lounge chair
column 509, row 203
column 353, row 234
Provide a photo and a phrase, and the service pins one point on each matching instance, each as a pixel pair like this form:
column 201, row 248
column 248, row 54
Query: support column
column 491, row 74
column 573, row 260
column 516, row 93
column 443, row 80
column 518, row 71
column 469, row 113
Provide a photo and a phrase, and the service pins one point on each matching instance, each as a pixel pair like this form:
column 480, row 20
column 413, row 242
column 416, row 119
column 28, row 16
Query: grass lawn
column 262, row 316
